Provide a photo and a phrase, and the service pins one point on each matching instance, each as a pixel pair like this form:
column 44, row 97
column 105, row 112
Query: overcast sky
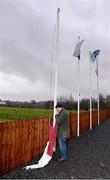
column 26, row 35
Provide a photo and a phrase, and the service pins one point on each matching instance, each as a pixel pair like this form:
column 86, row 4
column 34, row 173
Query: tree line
column 67, row 102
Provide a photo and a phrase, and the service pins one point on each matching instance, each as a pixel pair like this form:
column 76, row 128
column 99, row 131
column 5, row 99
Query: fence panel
column 73, row 125
column 84, row 122
column 94, row 118
column 21, row 141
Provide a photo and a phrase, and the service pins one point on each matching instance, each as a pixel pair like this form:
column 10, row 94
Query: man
column 63, row 131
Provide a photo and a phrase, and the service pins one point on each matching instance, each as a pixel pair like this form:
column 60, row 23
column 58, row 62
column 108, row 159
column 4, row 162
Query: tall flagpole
column 97, row 91
column 45, row 158
column 90, row 86
column 77, row 54
column 78, row 106
column 94, row 57
column 56, row 63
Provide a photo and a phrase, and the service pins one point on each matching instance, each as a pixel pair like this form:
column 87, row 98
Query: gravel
column 89, row 158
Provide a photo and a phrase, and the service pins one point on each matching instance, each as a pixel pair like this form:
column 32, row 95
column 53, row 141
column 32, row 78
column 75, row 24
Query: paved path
column 89, row 158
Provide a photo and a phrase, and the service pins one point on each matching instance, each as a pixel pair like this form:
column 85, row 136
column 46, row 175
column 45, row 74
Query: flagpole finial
column 58, row 10
column 78, row 37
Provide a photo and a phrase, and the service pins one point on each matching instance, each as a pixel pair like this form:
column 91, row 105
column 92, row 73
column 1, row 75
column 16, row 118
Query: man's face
column 58, row 109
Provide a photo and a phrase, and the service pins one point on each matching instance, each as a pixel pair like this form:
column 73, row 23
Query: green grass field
column 8, row 113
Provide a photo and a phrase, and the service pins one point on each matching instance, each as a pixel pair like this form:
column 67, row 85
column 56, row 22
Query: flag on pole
column 94, row 55
column 77, row 49
column 52, row 139
column 76, row 53
column 49, row 149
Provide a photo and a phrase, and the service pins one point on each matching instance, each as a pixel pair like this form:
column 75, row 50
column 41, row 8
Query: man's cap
column 58, row 106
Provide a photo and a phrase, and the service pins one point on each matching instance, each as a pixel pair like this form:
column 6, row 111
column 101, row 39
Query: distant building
column 2, row 103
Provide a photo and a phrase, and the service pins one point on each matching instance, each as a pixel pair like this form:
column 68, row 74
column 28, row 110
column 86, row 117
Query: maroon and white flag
column 49, row 149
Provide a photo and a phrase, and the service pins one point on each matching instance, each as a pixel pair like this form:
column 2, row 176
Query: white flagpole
column 77, row 54
column 78, row 98
column 44, row 160
column 56, row 64
column 78, row 106
column 90, row 86
column 97, row 91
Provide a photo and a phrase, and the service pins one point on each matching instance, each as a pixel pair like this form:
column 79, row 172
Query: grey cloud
column 27, row 32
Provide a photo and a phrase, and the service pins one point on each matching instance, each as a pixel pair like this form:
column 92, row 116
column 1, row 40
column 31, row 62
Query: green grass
column 8, row 113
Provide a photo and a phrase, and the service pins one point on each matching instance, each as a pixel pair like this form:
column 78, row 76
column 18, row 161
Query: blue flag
column 94, row 55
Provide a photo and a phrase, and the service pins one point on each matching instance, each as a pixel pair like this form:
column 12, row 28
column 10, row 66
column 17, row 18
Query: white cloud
column 17, row 88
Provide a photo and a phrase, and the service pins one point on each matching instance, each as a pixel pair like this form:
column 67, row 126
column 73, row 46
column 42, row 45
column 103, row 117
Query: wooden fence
column 21, row 141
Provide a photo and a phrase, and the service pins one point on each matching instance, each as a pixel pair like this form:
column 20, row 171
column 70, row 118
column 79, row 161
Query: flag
column 49, row 149
column 52, row 139
column 77, row 49
column 94, row 55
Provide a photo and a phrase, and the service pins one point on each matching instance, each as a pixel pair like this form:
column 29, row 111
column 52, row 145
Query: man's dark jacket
column 63, row 122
